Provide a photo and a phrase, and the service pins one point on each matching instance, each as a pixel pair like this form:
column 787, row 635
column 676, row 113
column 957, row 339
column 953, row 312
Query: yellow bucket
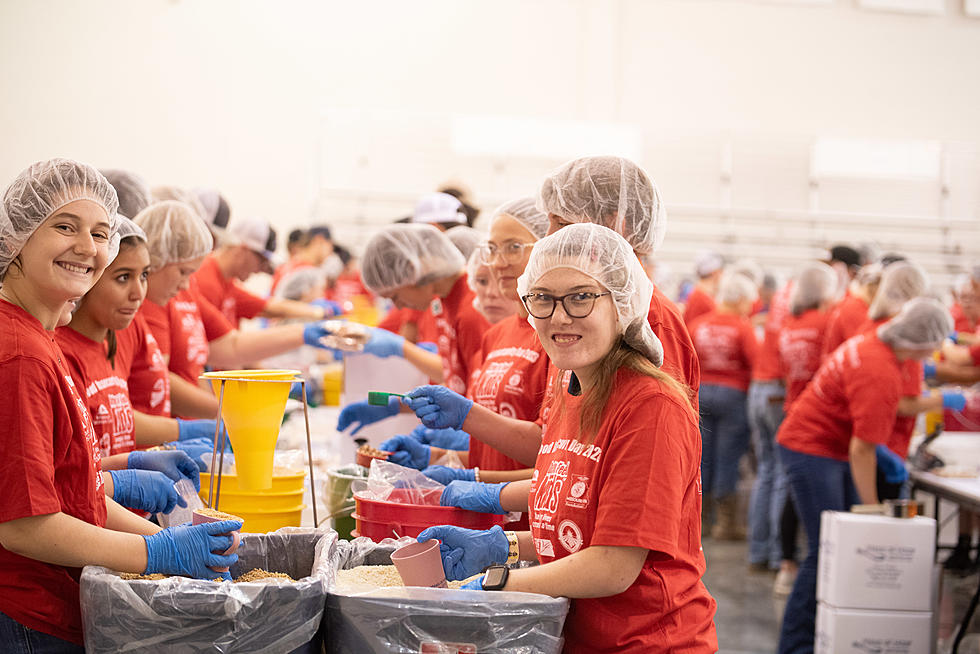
column 286, row 493
column 260, row 522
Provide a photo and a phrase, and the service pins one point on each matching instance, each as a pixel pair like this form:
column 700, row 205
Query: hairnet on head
column 174, row 233
column 465, row 239
column 816, row 284
column 40, row 191
column 162, row 193
column 922, row 324
column 707, row 262
column 748, row 268
column 127, row 228
column 900, row 282
column 298, row 283
column 869, row 274
column 132, row 191
column 526, row 212
column 473, row 265
column 608, row 258
column 734, row 288
column 408, row 255
column 609, row 191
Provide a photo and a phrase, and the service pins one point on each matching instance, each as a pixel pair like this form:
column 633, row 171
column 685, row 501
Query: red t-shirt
column 680, row 357
column 855, row 392
column 104, row 388
column 767, row 365
column 289, row 267
column 975, row 353
column 905, row 425
column 50, row 464
column 424, row 321
column 460, row 330
column 726, row 347
column 698, row 304
column 800, row 341
column 149, row 377
column 194, row 322
column 637, row 485
column 846, row 320
column 347, row 287
column 961, row 322
column 226, row 294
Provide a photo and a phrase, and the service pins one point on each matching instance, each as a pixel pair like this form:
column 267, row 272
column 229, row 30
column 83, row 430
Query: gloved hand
column 928, row 370
column 476, row 584
column 145, row 490
column 444, row 475
column 330, row 308
column 199, row 449
column 406, row 451
column 465, row 552
column 190, row 429
column 891, row 465
column 174, row 463
column 190, row 550
column 438, row 407
column 953, row 335
column 313, row 332
column 364, row 414
column 383, row 343
column 429, row 346
column 954, row 400
column 447, row 439
column 296, row 391
column 474, row 496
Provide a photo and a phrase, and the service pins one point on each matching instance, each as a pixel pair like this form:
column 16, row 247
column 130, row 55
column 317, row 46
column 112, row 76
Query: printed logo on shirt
column 546, row 498
column 507, row 410
column 544, row 547
column 489, row 384
column 515, row 384
column 158, row 394
column 436, row 307
column 570, row 536
column 122, row 414
column 592, row 452
column 578, row 492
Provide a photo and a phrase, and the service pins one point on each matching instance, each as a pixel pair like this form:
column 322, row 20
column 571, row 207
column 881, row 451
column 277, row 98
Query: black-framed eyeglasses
column 576, row 305
column 510, row 252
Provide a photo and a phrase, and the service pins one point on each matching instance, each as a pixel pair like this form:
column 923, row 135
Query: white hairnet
column 748, row 268
column 816, row 284
column 40, row 191
column 734, row 288
column 127, row 228
column 162, row 193
column 526, row 212
column 922, row 324
column 174, row 233
column 408, row 255
column 900, row 282
column 609, row 191
column 869, row 274
column 707, row 262
column 608, row 258
column 300, row 282
column 473, row 265
column 465, row 239
column 132, row 191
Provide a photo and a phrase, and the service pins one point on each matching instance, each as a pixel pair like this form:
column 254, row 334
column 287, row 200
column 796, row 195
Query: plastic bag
column 385, row 476
column 182, row 514
column 435, row 619
column 192, row 615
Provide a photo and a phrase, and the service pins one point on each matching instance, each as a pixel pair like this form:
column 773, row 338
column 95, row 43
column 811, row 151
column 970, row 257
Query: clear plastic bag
column 385, row 476
column 346, row 336
column 182, row 514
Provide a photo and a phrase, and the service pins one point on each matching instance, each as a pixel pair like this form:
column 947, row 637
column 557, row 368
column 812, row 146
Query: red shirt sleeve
column 247, row 305
column 872, row 393
column 750, row 344
column 215, row 323
column 975, row 353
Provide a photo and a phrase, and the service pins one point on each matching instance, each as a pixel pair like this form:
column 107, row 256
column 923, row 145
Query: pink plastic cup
column 420, row 564
column 236, row 538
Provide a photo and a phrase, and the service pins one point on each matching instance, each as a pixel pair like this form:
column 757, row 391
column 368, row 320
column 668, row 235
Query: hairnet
column 609, row 191
column 40, row 191
column 526, row 212
column 126, row 228
column 162, row 193
column 869, row 274
column 298, row 283
column 734, row 288
column 922, row 324
column 465, row 239
column 900, row 282
column 608, row 258
column 707, row 262
column 816, row 284
column 473, row 265
column 174, row 233
column 408, row 255
column 748, row 268
column 132, row 191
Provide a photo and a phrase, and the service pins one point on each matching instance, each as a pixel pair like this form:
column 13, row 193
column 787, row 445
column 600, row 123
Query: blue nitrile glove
column 330, row 308
column 928, row 370
column 200, row 450
column 891, row 465
column 476, row 584
column 429, row 346
column 466, row 552
column 363, row 414
column 296, row 391
column 447, row 439
column 383, row 343
column 173, row 463
column 145, row 490
column 953, row 335
column 190, row 550
column 954, row 400
column 406, row 451
column 313, row 332
column 438, row 407
column 444, row 475
column 189, row 429
column 474, row 496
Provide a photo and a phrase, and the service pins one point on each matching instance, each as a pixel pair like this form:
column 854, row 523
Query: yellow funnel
column 252, row 408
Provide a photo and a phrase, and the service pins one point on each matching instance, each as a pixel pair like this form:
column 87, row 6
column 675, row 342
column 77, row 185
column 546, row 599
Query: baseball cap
column 255, row 234
column 439, row 208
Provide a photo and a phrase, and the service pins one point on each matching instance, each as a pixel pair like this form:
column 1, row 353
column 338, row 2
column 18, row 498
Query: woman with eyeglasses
column 615, row 499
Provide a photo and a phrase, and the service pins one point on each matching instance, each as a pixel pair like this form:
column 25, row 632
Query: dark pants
column 15, row 638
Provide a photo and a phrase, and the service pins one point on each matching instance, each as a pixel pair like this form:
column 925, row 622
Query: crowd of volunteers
column 611, row 422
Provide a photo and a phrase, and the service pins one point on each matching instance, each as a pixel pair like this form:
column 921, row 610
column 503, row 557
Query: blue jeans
column 15, row 638
column 769, row 491
column 816, row 484
column 724, row 437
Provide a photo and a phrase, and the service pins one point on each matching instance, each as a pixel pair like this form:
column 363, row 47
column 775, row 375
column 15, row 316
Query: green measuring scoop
column 377, row 398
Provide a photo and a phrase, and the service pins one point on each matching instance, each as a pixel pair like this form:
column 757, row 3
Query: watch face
column 495, row 577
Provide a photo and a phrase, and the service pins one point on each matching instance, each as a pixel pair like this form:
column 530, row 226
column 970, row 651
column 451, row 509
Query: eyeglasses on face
column 576, row 305
column 510, row 252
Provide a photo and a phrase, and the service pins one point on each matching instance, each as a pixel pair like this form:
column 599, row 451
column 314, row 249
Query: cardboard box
column 874, row 562
column 843, row 631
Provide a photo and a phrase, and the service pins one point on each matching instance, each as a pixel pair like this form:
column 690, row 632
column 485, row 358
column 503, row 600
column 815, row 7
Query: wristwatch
column 495, row 577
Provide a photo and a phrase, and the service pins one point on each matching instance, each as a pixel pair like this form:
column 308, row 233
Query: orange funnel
column 252, row 408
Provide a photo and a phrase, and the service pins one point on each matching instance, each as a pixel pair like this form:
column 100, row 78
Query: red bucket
column 384, row 519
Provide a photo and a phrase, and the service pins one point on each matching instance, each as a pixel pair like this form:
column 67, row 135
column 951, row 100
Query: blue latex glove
column 447, row 439
column 953, row 335
column 145, row 490
column 363, row 414
column 928, row 370
column 438, row 407
column 313, row 332
column 429, row 346
column 330, row 308
column 466, row 552
column 444, row 475
column 199, row 449
column 383, row 343
column 474, row 496
column 190, row 550
column 190, row 429
column 891, row 465
column 408, row 452
column 296, row 391
column 954, row 400
column 174, row 463
column 476, row 584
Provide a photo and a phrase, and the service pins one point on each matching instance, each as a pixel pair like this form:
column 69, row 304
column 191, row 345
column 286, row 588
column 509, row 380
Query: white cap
column 438, row 208
column 254, row 233
column 707, row 262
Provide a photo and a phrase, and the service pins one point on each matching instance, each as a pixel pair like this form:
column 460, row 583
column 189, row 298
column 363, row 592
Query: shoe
column 726, row 524
column 783, row 585
column 760, row 567
column 959, row 560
